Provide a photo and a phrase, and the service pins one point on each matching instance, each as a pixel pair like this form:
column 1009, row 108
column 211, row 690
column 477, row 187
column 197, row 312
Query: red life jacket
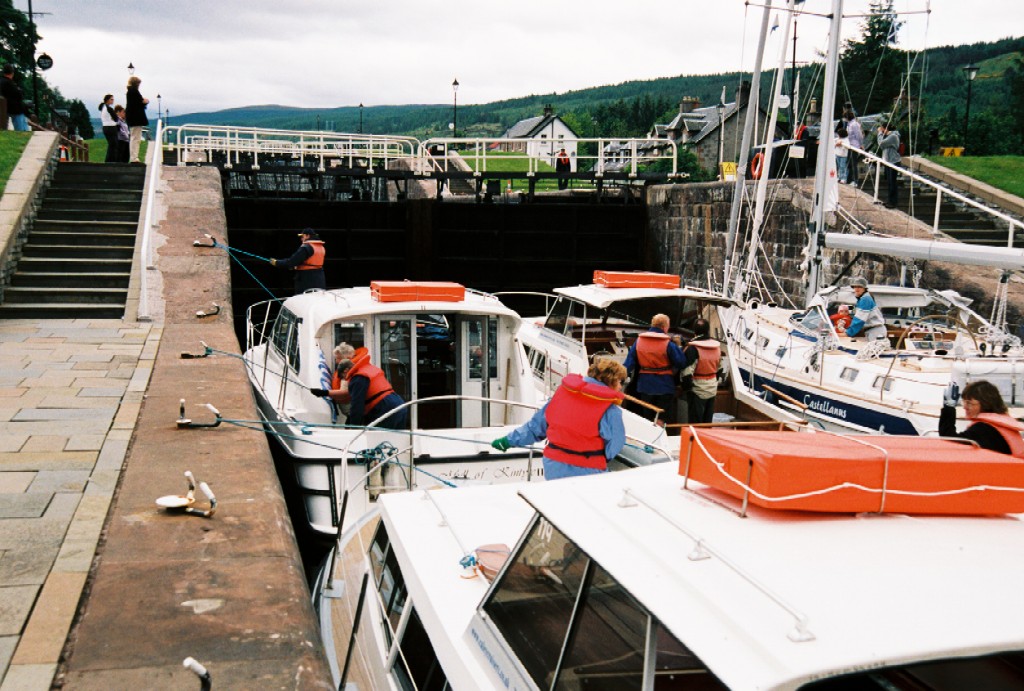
column 652, row 353
column 379, row 385
column 573, row 416
column 1008, row 428
column 709, row 355
column 564, row 160
column 317, row 260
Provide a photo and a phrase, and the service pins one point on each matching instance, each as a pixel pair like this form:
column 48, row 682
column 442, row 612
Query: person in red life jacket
column 705, row 373
column 991, row 425
column 371, row 395
column 308, row 262
column 841, row 319
column 582, row 423
column 564, row 166
column 655, row 360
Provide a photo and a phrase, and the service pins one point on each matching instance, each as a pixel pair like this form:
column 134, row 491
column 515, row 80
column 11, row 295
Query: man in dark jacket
column 17, row 111
column 308, row 262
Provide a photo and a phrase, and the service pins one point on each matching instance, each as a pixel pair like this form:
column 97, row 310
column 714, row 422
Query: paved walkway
column 70, row 392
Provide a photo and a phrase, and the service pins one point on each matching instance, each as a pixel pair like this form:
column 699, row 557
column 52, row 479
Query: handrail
column 939, row 191
column 155, row 160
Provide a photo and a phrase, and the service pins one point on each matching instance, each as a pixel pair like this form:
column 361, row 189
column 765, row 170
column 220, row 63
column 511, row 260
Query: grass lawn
column 499, row 162
column 98, row 149
column 1002, row 172
column 11, row 145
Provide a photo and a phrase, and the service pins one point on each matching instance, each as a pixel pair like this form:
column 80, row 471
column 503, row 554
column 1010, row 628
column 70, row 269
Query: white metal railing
column 154, row 157
column 940, row 190
column 609, row 154
column 236, row 142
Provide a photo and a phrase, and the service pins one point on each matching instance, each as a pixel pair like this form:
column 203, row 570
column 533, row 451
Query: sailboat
column 790, row 362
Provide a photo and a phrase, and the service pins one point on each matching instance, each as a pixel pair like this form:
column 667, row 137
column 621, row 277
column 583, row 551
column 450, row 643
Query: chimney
column 742, row 94
column 549, row 110
column 688, row 104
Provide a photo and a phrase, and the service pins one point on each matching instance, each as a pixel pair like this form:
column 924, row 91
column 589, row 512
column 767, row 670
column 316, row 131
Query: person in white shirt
column 109, row 121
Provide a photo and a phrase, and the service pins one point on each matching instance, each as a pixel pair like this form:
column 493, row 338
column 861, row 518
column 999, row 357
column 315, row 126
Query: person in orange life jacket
column 656, row 360
column 371, row 395
column 991, row 425
column 338, row 392
column 841, row 319
column 582, row 423
column 705, row 373
column 308, row 262
column 563, row 165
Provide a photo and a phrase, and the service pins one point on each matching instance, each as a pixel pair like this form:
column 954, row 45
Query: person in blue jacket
column 582, row 423
column 867, row 317
column 655, row 360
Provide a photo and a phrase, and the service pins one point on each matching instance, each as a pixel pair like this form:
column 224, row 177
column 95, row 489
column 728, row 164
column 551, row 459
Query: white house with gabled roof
column 547, row 133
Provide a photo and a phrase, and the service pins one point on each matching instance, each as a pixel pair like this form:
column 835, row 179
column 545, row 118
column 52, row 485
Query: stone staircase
column 959, row 221
column 77, row 259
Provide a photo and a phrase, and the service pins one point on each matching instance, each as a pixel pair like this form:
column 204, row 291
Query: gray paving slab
column 27, row 505
column 54, row 481
column 15, row 604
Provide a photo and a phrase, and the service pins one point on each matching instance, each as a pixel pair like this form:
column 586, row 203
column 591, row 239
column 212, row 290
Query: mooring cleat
column 213, row 312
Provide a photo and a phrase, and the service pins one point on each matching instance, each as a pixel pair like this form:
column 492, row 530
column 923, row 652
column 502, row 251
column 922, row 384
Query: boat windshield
column 812, row 321
column 572, row 625
column 1001, row 671
column 564, row 315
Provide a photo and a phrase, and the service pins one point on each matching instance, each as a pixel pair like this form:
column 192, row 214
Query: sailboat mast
column 825, row 172
column 748, row 127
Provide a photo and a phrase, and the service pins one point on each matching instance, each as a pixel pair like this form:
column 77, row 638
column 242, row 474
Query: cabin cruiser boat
column 651, row 579
column 451, row 353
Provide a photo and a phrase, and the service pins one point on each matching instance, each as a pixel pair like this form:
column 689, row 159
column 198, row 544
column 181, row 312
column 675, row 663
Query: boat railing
column 1013, row 224
column 259, row 319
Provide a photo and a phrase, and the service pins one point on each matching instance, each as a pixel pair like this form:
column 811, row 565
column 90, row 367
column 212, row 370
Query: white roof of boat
column 321, row 306
column 875, row 590
column 602, row 296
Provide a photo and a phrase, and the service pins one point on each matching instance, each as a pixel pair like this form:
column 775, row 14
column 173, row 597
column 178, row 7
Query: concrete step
column 112, row 194
column 53, row 213
column 79, row 171
column 37, row 310
column 77, row 202
column 65, row 295
column 32, row 249
column 46, row 237
column 73, row 226
column 24, row 279
column 75, row 265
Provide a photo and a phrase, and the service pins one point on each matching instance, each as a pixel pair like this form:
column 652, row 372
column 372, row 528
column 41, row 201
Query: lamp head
column 971, row 71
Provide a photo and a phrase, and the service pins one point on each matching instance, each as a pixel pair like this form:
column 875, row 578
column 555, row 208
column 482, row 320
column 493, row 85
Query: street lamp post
column 159, row 110
column 720, row 107
column 455, row 108
column 360, row 118
column 971, row 71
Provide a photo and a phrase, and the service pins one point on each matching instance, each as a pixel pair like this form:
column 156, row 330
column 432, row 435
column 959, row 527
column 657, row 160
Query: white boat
column 451, row 353
column 631, row 581
column 789, row 362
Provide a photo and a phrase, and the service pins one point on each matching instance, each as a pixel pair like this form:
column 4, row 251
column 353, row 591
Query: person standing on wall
column 307, row 261
column 582, row 423
column 656, row 360
column 705, row 373
column 889, row 151
column 108, row 118
column 17, row 111
column 123, row 137
column 856, row 136
column 563, row 166
column 135, row 115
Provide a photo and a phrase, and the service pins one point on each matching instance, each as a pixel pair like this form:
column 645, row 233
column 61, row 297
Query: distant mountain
column 630, row 108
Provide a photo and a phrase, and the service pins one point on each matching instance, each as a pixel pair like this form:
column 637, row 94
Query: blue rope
column 231, row 253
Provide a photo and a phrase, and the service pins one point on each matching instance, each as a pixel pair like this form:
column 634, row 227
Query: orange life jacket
column 379, row 386
column 1008, row 428
column 316, row 261
column 573, row 417
column 652, row 353
column 564, row 160
column 709, row 356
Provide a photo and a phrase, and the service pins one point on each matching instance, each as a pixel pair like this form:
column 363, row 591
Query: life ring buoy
column 756, row 165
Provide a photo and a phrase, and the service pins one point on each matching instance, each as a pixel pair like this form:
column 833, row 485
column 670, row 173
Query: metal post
column 971, row 71
column 35, row 86
column 360, row 118
column 455, row 108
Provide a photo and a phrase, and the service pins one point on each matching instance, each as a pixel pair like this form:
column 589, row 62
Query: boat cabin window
column 351, row 332
column 416, row 666
column 285, row 337
column 1003, row 672
column 884, row 383
column 780, row 352
column 849, row 374
column 573, row 626
column 813, row 320
column 564, row 315
column 475, row 343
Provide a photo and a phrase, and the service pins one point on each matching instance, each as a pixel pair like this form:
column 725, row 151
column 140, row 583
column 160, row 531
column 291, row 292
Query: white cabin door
column 478, row 370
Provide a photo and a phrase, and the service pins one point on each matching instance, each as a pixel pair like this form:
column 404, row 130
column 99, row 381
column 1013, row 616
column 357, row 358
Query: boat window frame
column 287, row 325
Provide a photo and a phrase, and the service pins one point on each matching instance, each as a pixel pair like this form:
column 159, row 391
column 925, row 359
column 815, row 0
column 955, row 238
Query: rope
column 231, row 253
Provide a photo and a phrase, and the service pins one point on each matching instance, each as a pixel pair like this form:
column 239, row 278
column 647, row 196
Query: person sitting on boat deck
column 371, row 395
column 656, row 360
column 867, row 317
column 582, row 423
column 991, row 425
column 307, row 262
column 841, row 319
column 708, row 359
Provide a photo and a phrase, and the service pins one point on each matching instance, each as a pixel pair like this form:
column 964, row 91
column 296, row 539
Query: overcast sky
column 203, row 55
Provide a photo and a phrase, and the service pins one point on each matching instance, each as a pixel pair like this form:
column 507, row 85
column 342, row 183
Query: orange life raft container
column 854, row 473
column 635, row 279
column 405, row 291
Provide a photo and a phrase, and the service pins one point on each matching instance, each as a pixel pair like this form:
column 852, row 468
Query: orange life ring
column 756, row 164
